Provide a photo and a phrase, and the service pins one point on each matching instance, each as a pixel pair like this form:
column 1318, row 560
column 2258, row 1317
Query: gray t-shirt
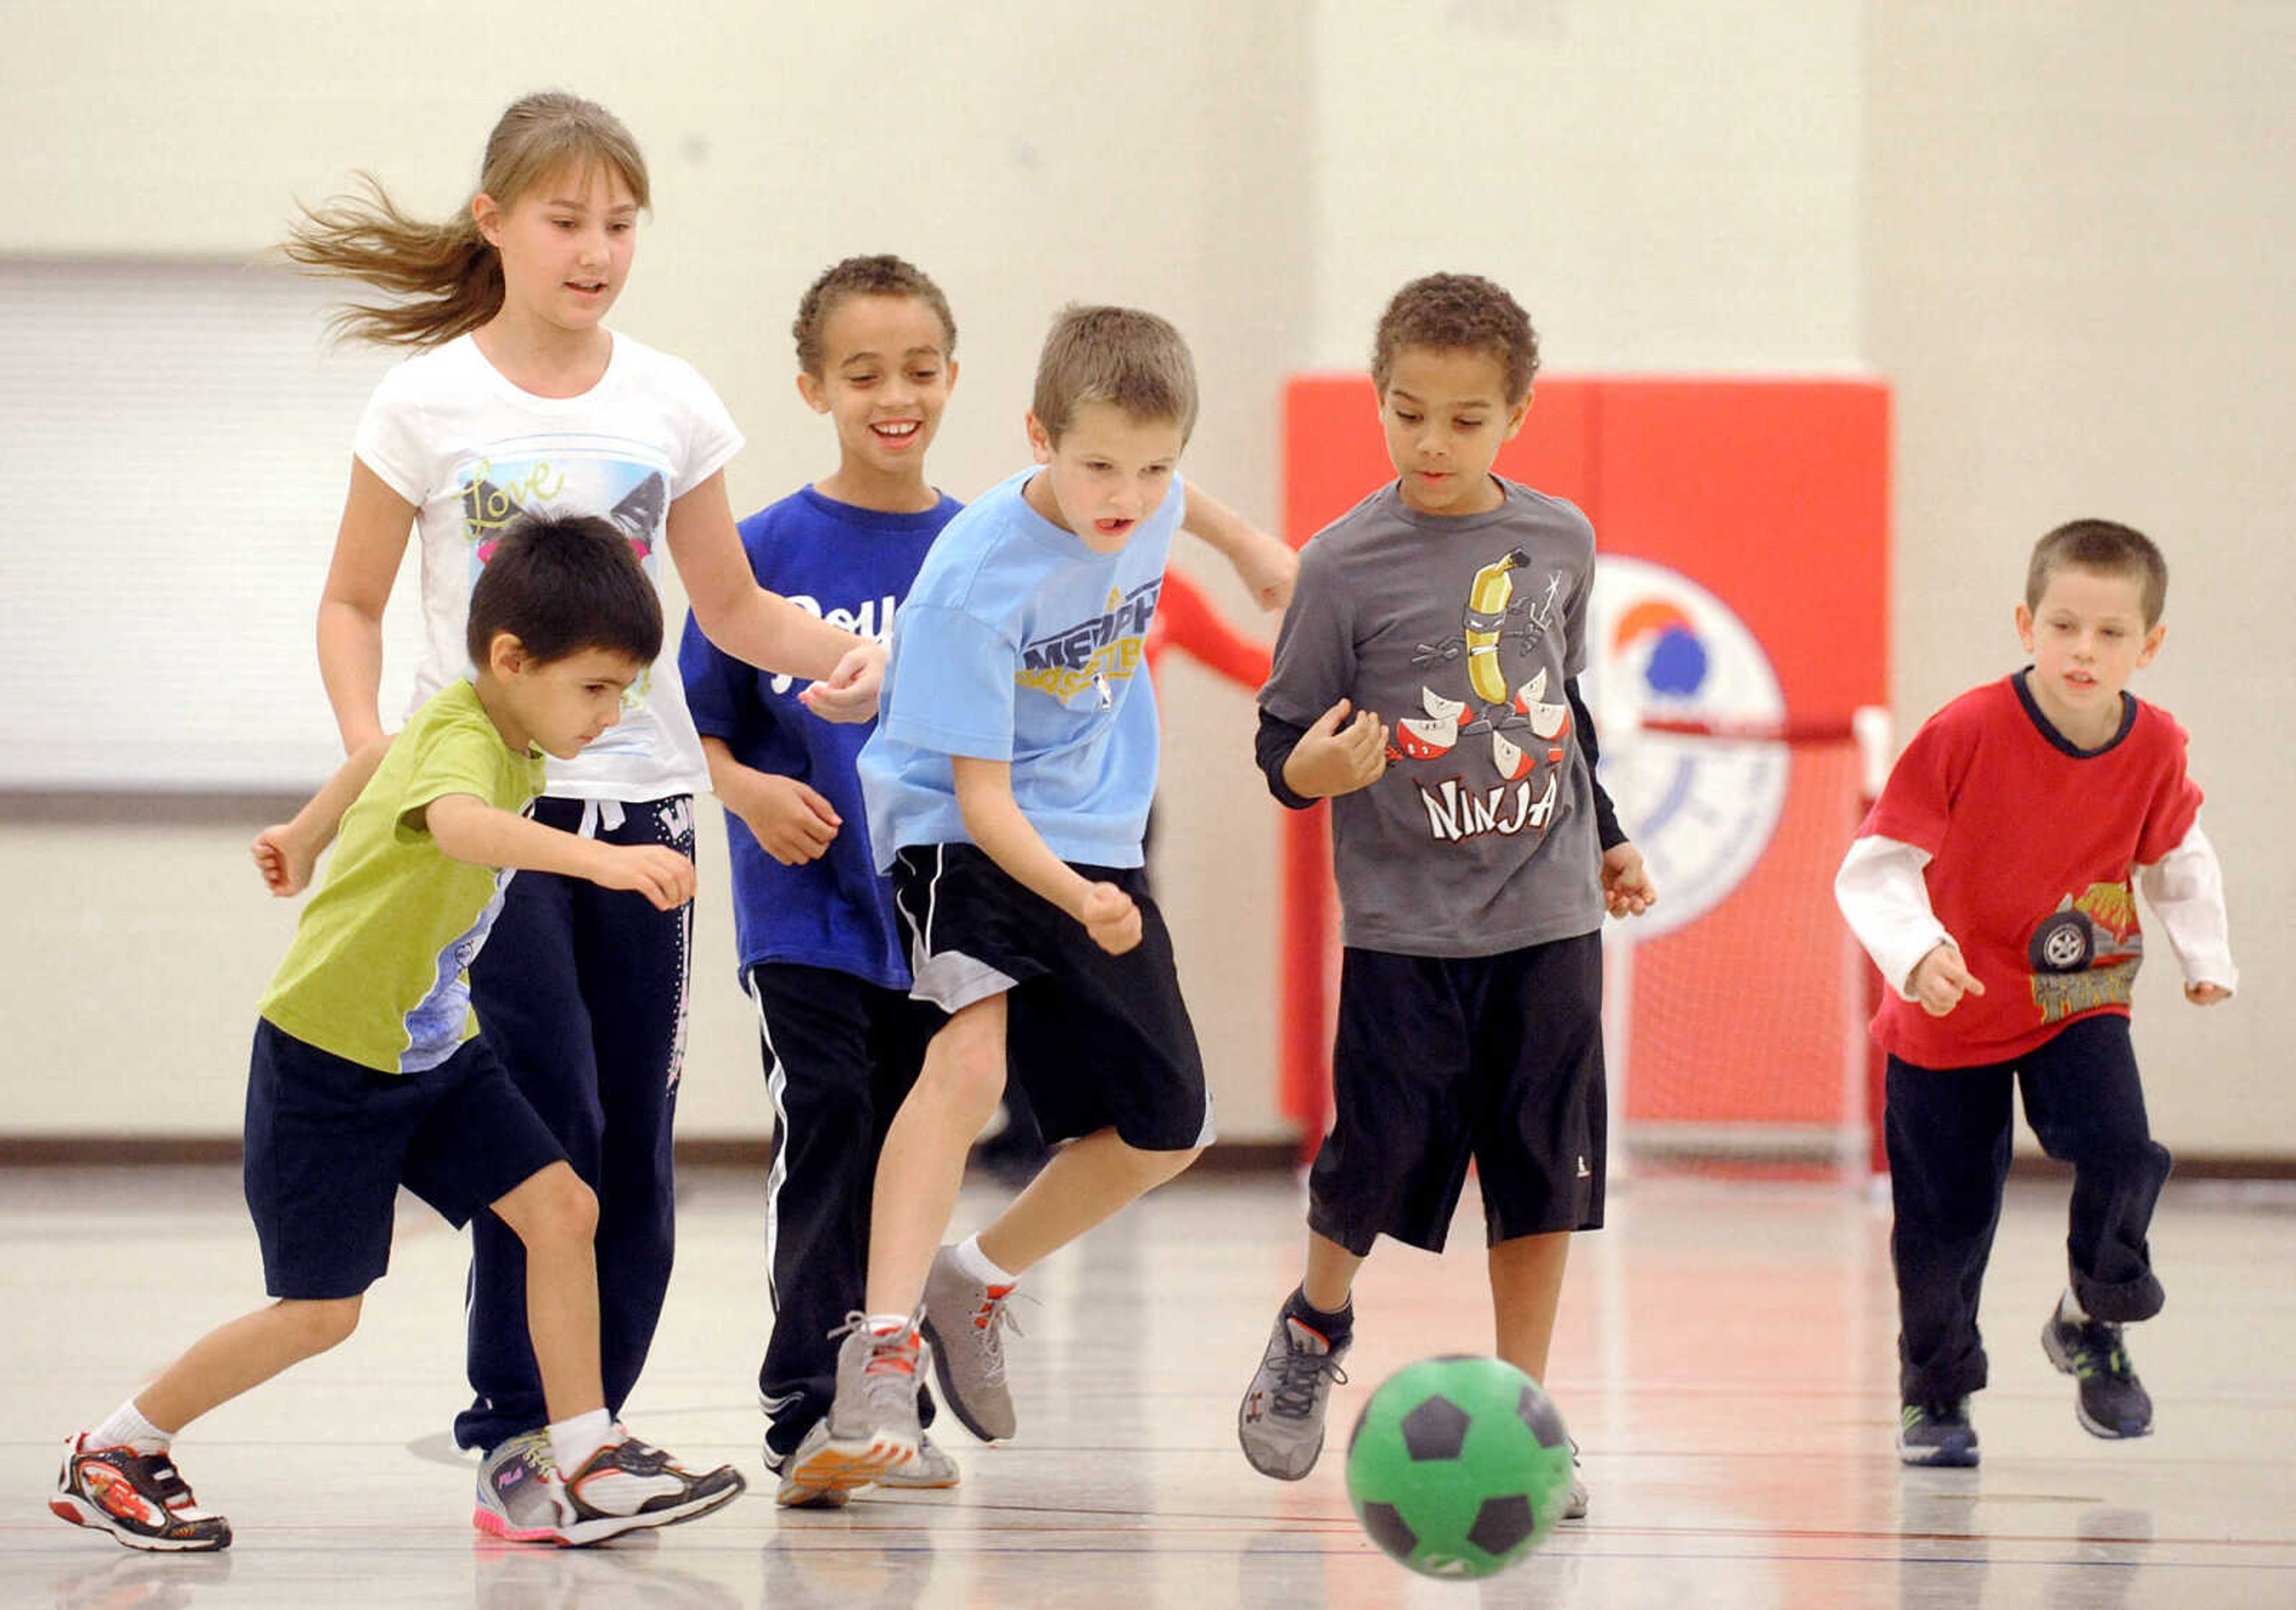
column 1460, row 631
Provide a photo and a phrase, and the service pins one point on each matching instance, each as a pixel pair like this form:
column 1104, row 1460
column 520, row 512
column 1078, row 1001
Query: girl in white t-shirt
column 519, row 397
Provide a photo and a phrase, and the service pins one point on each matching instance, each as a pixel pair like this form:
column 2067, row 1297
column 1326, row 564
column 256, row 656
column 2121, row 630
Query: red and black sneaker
column 139, row 1498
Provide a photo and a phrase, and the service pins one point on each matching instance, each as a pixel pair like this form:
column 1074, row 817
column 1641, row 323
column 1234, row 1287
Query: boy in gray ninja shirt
column 1476, row 854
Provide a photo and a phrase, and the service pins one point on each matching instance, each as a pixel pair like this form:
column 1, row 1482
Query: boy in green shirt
column 368, row 1070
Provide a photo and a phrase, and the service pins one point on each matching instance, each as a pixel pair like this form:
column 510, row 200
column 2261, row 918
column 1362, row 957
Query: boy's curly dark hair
column 881, row 275
column 1458, row 312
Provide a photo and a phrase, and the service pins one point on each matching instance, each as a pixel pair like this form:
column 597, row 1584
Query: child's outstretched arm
column 1886, row 903
column 1266, row 563
column 286, row 853
column 468, row 829
column 2186, row 890
column 790, row 821
column 994, row 817
column 761, row 627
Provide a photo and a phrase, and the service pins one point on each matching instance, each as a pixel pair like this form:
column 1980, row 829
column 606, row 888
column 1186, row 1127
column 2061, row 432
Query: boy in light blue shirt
column 1008, row 786
column 1015, row 587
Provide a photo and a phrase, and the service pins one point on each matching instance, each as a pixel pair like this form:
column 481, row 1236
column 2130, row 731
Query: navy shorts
column 1441, row 1060
column 329, row 1143
column 1096, row 1041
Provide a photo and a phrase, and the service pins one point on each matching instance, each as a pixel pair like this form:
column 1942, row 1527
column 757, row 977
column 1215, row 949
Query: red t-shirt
column 2031, row 842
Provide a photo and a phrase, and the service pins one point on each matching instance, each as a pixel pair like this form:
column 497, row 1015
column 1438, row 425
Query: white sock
column 128, row 1428
column 573, row 1440
column 967, row 1255
column 2071, row 1309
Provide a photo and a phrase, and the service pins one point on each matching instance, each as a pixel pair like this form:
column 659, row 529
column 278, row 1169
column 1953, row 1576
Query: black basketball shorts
column 1096, row 1041
column 1441, row 1061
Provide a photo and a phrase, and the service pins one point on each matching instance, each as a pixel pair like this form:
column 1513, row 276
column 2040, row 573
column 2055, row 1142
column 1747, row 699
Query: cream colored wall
column 1666, row 185
column 2060, row 243
column 2077, row 233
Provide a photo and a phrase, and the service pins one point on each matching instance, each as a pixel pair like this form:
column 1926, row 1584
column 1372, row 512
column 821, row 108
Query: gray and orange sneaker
column 964, row 1319
column 141, row 1499
column 871, row 1425
column 803, row 1488
column 932, row 1470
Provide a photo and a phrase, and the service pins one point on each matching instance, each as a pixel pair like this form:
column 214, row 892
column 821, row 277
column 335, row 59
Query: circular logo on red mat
column 1700, row 806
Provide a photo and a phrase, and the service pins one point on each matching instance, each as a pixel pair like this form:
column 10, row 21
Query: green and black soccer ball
column 1459, row 1465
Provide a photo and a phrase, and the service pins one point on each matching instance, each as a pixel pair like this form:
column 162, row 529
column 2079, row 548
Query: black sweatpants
column 1949, row 1130
column 581, row 991
column 841, row 1054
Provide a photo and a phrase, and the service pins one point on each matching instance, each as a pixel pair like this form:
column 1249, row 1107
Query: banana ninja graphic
column 1523, row 726
column 1486, row 604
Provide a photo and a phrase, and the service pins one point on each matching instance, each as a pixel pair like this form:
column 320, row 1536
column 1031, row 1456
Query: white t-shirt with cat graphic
column 447, row 432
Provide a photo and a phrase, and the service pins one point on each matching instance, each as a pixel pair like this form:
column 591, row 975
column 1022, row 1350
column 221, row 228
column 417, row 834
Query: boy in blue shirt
column 820, row 956
column 1007, row 788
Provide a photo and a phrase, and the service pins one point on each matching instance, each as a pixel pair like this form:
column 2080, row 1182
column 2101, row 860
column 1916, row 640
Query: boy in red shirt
column 1991, row 885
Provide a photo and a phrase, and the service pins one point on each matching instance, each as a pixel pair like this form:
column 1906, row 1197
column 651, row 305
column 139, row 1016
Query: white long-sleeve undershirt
column 1886, row 902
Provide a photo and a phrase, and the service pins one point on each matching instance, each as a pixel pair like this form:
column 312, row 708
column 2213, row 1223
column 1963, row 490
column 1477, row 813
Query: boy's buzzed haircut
column 881, row 274
column 1454, row 312
column 1120, row 356
column 560, row 583
column 2108, row 548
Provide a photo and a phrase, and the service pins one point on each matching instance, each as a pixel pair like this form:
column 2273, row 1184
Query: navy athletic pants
column 581, row 991
column 1948, row 1131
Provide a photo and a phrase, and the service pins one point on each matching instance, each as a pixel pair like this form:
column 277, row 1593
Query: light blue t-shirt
column 1018, row 643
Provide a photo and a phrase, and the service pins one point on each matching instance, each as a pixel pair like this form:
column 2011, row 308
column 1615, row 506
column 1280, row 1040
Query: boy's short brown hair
column 879, row 275
column 1120, row 356
column 1457, row 312
column 2107, row 548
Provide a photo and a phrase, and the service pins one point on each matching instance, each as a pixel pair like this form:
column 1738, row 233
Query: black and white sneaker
column 628, row 1485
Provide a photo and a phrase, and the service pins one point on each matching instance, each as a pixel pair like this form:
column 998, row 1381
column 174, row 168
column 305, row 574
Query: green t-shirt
column 378, row 973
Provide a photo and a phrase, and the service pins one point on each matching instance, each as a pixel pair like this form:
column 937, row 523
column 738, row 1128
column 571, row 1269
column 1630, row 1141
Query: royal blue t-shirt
column 853, row 566
column 1020, row 644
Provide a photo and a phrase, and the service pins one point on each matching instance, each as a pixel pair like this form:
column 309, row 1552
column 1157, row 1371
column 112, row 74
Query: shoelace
column 992, row 1316
column 900, row 1358
column 1299, row 1371
column 2096, row 1348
